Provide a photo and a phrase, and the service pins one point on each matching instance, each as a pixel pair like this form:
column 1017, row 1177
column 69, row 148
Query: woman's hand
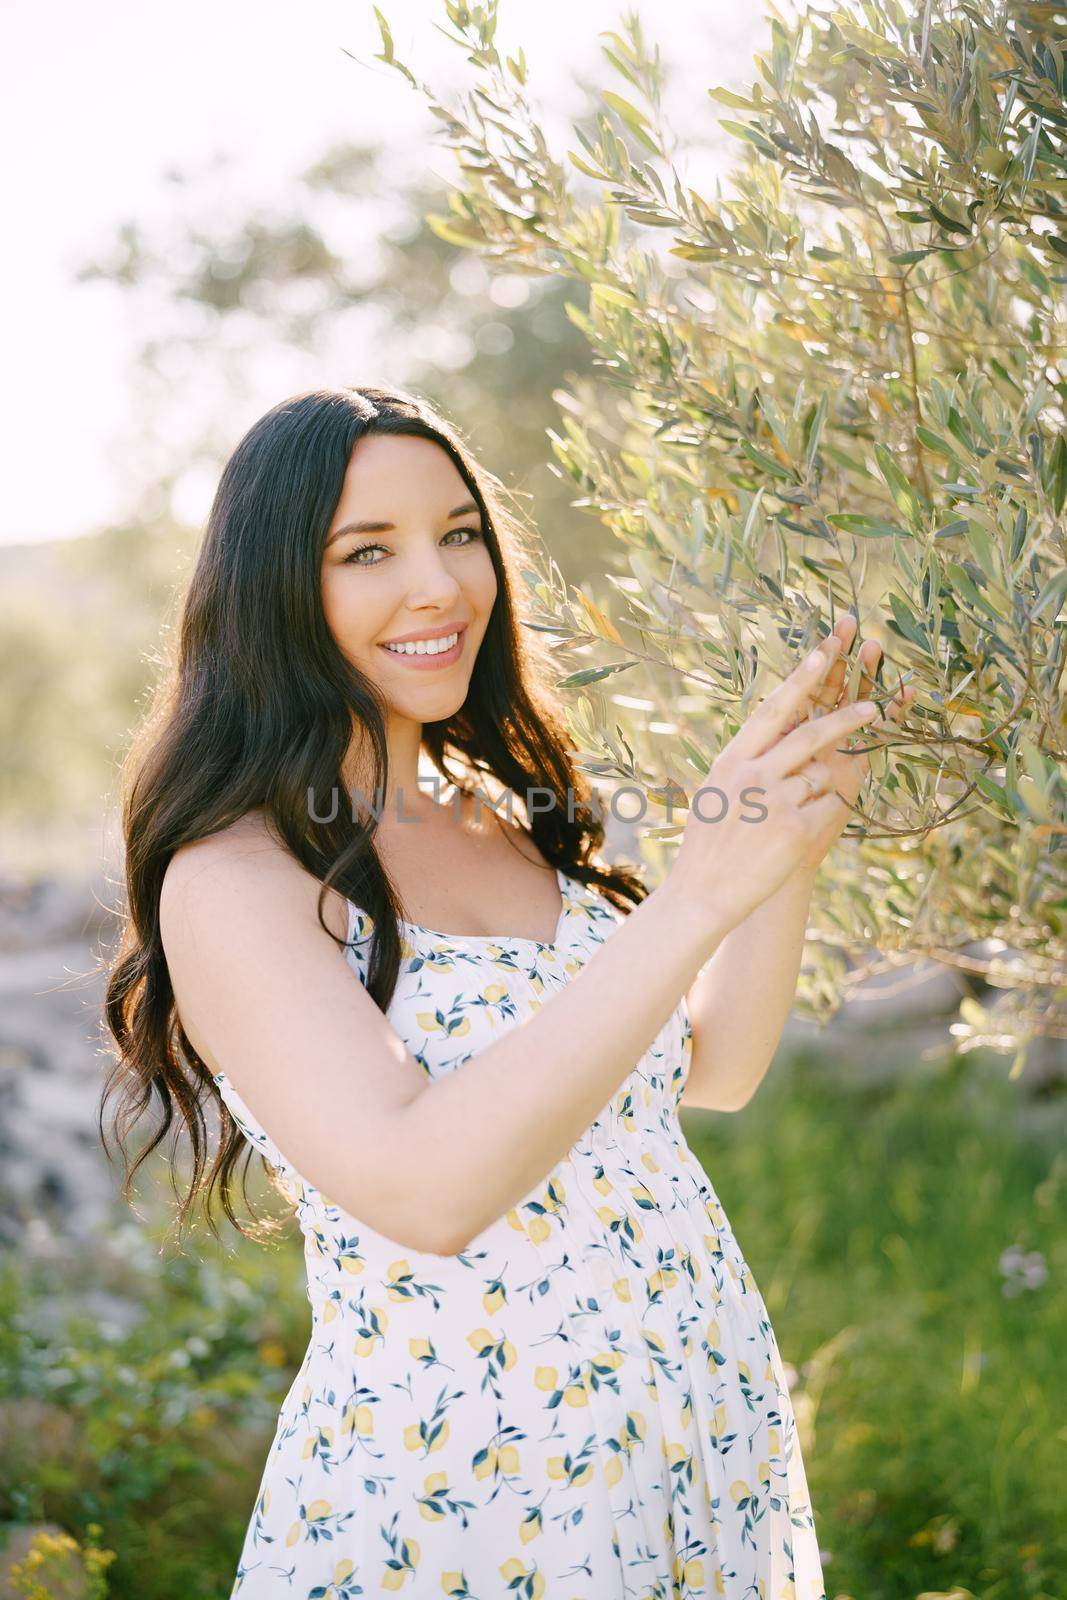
column 842, row 772
column 769, row 806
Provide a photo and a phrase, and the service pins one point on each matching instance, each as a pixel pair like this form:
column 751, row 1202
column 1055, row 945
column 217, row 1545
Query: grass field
column 932, row 1405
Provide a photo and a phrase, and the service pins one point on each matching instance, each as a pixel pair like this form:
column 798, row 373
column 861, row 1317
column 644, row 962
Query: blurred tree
column 80, row 625
column 243, row 302
column 348, row 267
column 841, row 384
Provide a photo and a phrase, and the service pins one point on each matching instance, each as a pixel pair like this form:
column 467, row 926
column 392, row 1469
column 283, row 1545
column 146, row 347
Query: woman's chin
column 425, row 703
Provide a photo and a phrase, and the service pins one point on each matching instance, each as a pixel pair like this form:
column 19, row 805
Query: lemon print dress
column 587, row 1404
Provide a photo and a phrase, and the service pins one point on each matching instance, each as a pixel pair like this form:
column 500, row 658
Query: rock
column 54, row 934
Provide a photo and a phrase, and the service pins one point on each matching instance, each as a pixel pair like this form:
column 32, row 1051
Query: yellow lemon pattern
column 588, row 1403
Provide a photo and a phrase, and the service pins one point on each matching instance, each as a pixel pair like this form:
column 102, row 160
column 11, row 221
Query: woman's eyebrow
column 388, row 527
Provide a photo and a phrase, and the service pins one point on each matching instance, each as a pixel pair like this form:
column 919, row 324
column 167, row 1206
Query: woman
column 538, row 1363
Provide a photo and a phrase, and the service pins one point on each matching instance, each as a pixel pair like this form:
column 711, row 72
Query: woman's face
column 424, row 573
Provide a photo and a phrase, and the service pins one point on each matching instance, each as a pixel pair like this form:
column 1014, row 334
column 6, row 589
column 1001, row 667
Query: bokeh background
column 207, row 211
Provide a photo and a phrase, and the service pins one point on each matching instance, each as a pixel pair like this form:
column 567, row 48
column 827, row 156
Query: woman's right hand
column 751, row 821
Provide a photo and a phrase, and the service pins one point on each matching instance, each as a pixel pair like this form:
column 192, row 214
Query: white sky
column 98, row 101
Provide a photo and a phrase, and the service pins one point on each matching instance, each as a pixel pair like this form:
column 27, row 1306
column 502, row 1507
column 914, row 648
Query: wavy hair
column 257, row 708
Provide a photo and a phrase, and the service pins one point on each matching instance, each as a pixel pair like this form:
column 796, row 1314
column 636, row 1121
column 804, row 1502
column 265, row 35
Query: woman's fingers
column 819, row 682
column 904, row 697
column 866, row 661
column 810, row 739
column 774, row 715
column 845, row 630
column 824, row 789
column 870, row 659
column 830, row 775
column 811, row 781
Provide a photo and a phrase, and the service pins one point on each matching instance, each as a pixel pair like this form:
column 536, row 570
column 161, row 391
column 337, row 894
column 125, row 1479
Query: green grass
column 873, row 1219
column 933, row 1408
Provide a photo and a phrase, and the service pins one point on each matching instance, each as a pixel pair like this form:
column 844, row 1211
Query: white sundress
column 587, row 1404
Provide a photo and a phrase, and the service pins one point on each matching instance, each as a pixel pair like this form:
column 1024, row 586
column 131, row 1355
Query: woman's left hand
column 842, row 772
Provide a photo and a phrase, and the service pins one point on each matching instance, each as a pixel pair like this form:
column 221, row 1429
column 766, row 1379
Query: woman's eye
column 350, row 559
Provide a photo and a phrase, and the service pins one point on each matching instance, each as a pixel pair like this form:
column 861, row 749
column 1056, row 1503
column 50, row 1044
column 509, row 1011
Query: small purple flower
column 1022, row 1270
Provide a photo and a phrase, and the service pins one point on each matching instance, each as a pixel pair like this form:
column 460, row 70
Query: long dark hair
column 257, row 708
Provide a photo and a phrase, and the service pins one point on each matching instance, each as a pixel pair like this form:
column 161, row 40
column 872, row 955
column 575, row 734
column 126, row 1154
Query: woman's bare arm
column 266, row 996
column 497, row 1126
column 740, row 1002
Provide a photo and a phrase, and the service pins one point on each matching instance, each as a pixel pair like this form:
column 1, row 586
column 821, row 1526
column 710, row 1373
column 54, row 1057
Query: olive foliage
column 837, row 382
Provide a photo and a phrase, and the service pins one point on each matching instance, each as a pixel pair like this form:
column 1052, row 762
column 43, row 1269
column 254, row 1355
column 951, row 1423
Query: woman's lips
column 427, row 663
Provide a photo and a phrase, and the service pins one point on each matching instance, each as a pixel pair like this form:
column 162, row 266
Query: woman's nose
column 429, row 579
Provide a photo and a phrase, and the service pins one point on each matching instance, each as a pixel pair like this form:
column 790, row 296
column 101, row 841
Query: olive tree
column 837, row 382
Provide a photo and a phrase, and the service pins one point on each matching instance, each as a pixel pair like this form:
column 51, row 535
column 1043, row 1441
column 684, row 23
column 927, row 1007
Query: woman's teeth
column 425, row 647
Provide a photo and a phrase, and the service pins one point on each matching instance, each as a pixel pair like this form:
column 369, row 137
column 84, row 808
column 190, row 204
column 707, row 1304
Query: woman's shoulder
column 233, row 851
column 244, row 858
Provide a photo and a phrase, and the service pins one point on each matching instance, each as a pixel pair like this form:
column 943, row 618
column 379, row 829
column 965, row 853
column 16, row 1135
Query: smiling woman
column 515, row 1264
column 351, row 530
column 423, row 603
